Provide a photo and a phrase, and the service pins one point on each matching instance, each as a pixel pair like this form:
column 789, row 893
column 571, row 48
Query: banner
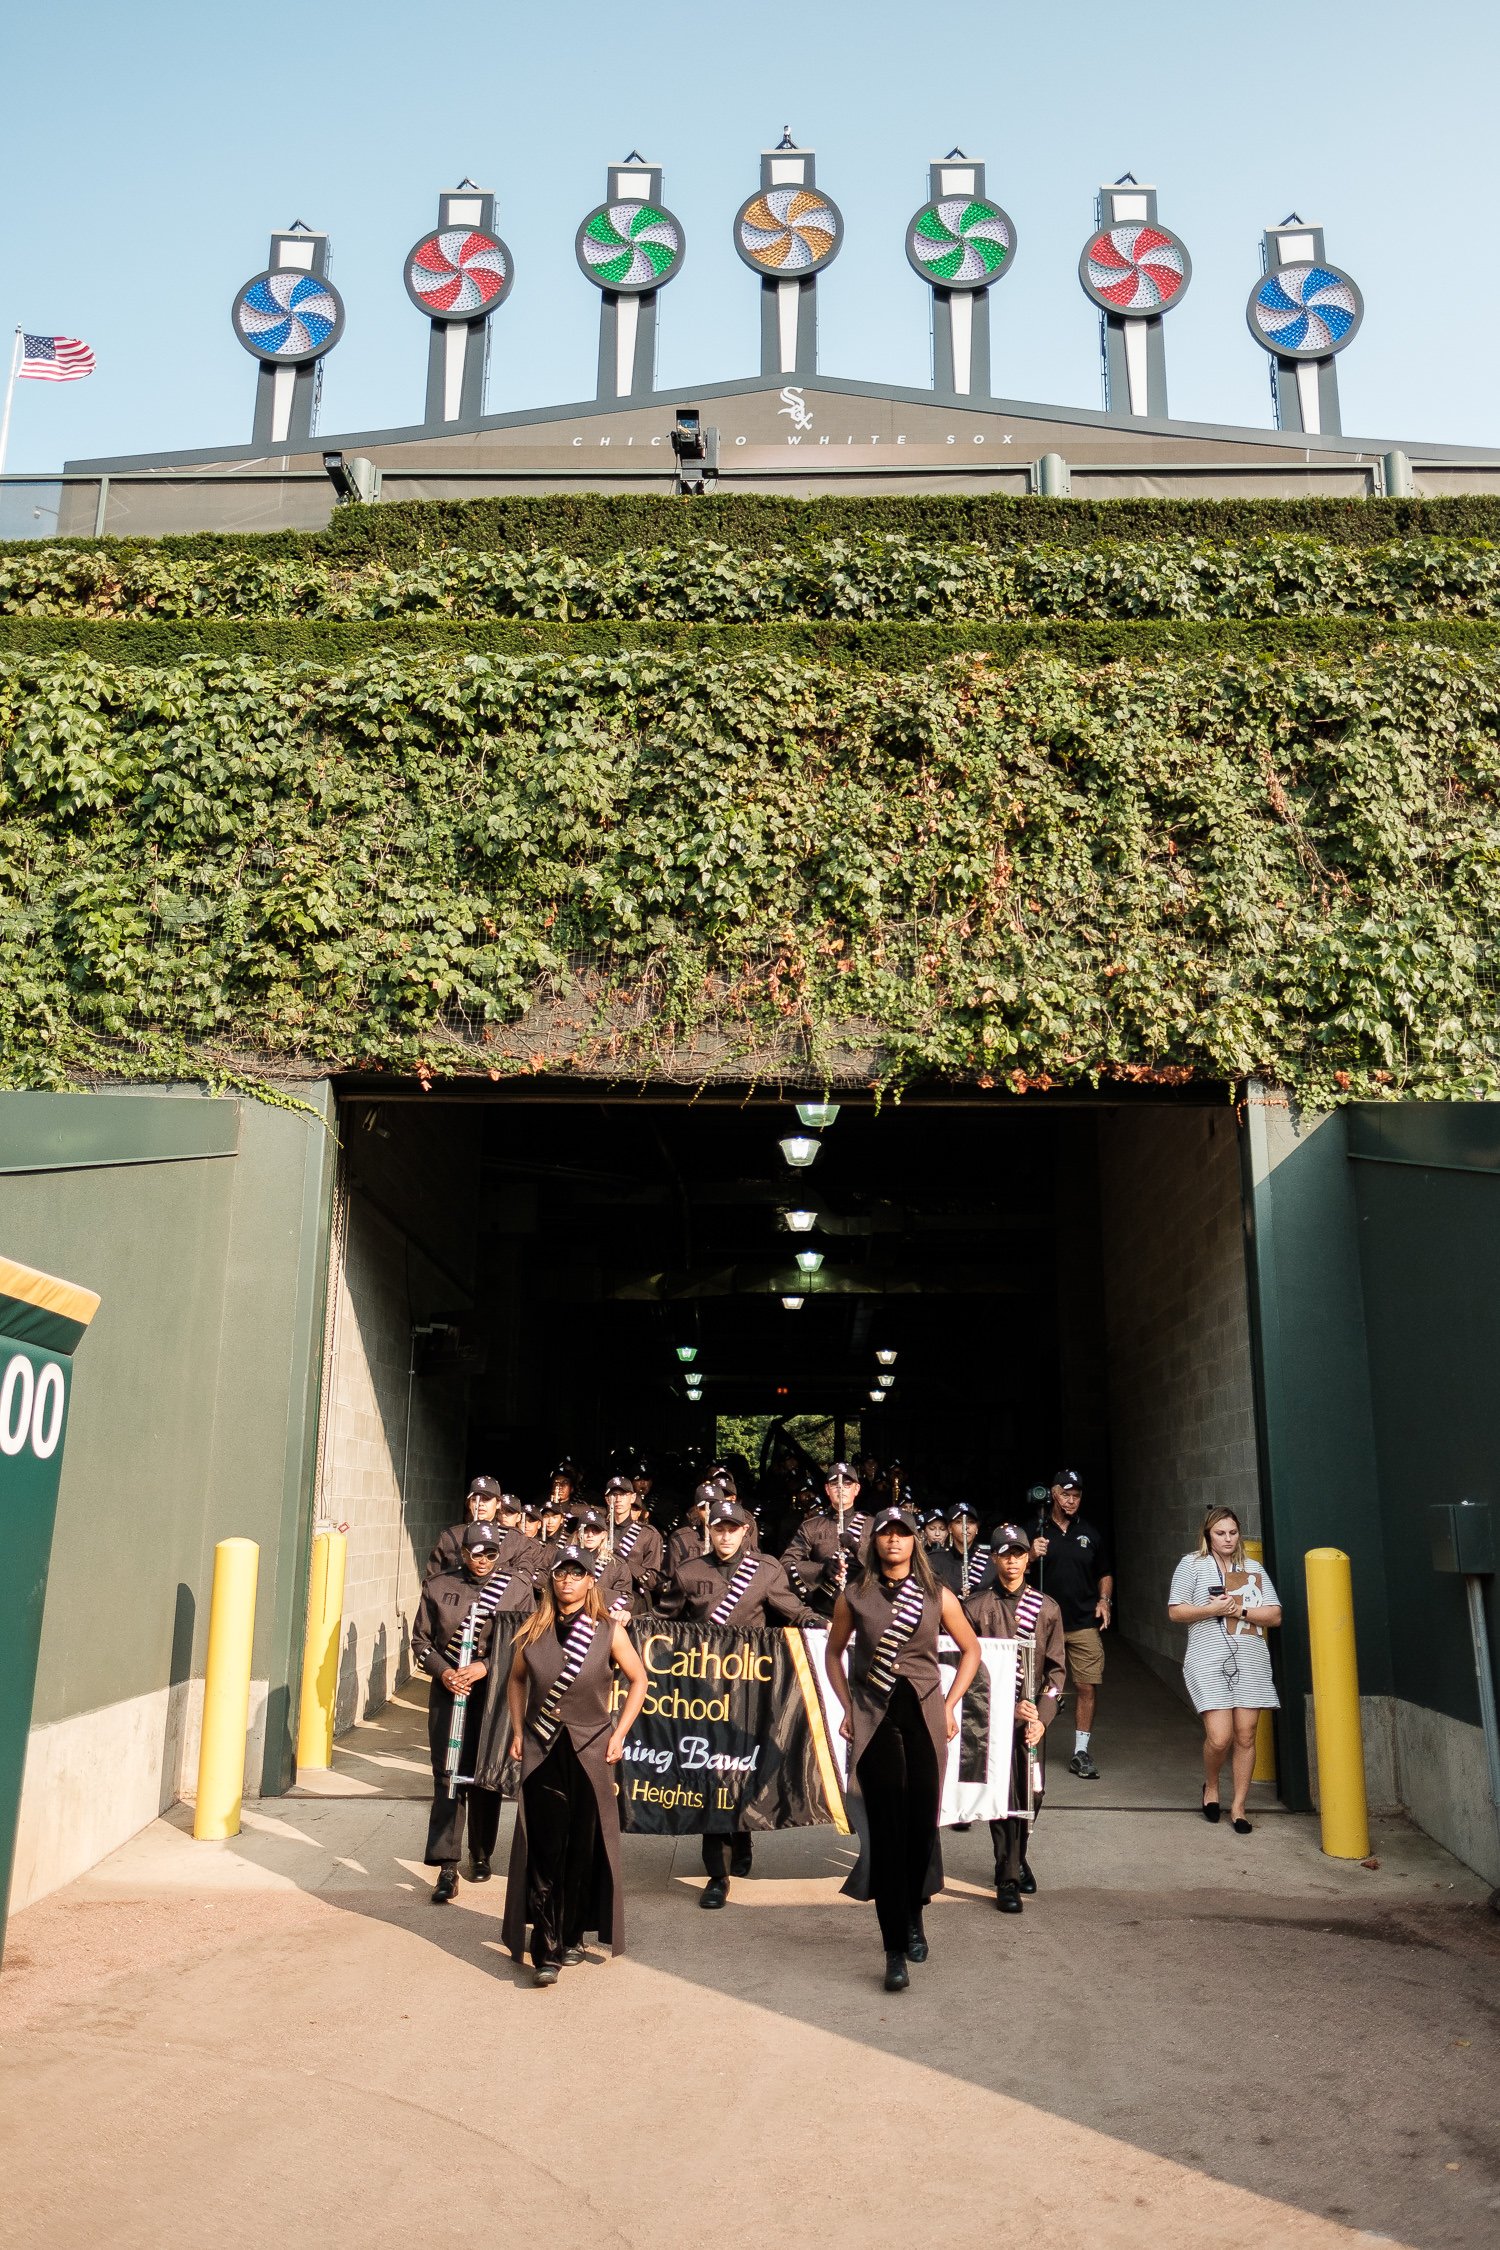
column 741, row 1730
column 733, row 1735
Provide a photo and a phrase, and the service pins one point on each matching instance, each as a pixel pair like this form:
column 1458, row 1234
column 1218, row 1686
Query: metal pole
column 226, row 1691
column 320, row 1656
column 1488, row 1718
column 10, row 392
column 1342, row 1810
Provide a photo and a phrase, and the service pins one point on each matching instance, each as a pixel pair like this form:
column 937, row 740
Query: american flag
column 54, row 359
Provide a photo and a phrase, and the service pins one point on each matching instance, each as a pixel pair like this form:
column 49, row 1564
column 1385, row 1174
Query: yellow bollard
column 1265, row 1732
column 320, row 1656
column 1342, row 1810
column 226, row 1690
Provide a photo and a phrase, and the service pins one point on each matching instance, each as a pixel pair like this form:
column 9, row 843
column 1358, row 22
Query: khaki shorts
column 1085, row 1656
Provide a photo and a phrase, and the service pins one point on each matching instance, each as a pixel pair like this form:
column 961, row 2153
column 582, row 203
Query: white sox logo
column 794, row 404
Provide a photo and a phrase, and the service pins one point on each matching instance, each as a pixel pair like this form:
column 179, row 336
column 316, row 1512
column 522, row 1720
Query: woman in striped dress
column 565, row 1853
column 1227, row 1602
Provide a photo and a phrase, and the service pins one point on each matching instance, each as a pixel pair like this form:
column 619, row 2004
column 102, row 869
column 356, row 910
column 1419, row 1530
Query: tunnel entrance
column 521, row 1274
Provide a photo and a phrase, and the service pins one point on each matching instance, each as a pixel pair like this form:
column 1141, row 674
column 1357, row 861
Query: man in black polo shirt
column 1073, row 1565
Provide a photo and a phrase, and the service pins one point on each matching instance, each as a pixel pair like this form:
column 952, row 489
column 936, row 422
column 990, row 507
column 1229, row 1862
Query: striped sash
column 978, row 1562
column 546, row 1723
column 1028, row 1610
column 625, row 1545
column 487, row 1600
column 735, row 1591
column 906, row 1616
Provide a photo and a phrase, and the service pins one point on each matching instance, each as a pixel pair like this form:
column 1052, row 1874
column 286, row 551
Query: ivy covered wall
column 886, row 790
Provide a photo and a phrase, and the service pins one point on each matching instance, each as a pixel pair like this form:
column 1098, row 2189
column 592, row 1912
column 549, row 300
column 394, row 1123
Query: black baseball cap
column 484, row 1488
column 962, row 1508
column 571, row 1558
column 1009, row 1539
column 1068, row 1479
column 841, row 1473
column 479, row 1539
column 894, row 1519
column 589, row 1520
column 726, row 1509
column 618, row 1485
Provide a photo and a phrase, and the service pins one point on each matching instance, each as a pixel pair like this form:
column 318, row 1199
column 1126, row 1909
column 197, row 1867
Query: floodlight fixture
column 687, row 1353
column 800, row 1222
column 809, row 1260
column 886, row 1382
column 886, row 1359
column 877, row 1398
column 816, row 1115
column 793, row 1304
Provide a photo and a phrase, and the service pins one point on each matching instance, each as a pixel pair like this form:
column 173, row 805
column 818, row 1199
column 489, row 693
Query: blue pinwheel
column 1305, row 311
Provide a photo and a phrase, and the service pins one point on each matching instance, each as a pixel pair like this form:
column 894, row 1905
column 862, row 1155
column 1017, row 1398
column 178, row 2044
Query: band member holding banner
column 822, row 1555
column 733, row 1585
column 899, row 1724
column 638, row 1543
column 451, row 1637
column 565, row 1854
column 1010, row 1610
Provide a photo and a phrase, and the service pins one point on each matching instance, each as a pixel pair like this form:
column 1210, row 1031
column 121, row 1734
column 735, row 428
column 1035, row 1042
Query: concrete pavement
column 1188, row 2038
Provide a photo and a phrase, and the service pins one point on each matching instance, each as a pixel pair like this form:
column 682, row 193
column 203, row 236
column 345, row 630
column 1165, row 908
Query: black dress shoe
column 897, row 1976
column 715, row 1891
column 1212, row 1811
column 1242, row 1827
column 446, row 1887
column 740, row 1864
column 572, row 1956
column 1027, row 1884
column 479, row 1867
column 916, row 1942
column 546, row 1972
column 1007, row 1899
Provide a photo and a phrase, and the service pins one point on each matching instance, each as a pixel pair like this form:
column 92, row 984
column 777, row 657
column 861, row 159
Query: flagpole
column 10, row 392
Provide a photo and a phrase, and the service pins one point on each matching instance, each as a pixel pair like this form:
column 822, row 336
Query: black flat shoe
column 896, row 1976
column 548, row 1973
column 916, row 1943
column 715, row 1892
column 572, row 1956
column 740, row 1864
column 1211, row 1812
column 1242, row 1828
column 1027, row 1884
column 1008, row 1899
column 479, row 1867
column 446, row 1888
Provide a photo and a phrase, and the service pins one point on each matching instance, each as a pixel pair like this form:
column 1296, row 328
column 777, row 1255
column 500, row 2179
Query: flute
column 460, row 1701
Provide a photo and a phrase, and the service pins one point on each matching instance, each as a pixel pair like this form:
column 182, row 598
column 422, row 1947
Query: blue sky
column 153, row 148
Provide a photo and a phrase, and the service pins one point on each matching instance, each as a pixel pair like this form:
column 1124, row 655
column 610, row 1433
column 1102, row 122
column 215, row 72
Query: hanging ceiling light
column 816, row 1115
column 809, row 1260
column 877, row 1398
column 687, row 1353
column 800, row 1222
column 793, row 1304
column 799, row 1151
column 886, row 1359
column 886, row 1382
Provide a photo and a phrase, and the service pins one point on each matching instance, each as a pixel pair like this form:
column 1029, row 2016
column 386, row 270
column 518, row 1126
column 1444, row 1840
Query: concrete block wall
column 1182, row 1424
column 393, row 1461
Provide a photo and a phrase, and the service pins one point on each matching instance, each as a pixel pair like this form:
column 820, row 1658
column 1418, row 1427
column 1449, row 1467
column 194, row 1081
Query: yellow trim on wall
column 47, row 1292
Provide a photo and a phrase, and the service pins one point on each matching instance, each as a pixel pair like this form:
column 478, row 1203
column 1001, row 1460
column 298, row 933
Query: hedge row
column 1026, row 873
column 880, row 576
column 592, row 526
column 899, row 646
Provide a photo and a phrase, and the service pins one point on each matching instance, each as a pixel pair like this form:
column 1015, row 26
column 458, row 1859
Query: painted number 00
column 31, row 1406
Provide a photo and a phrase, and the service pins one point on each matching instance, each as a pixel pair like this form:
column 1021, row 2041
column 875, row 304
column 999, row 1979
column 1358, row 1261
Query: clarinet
column 460, row 1702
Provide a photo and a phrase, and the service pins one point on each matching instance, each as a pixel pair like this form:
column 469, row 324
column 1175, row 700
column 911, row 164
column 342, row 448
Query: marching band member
column 638, row 1543
column 482, row 1586
column 1010, row 1610
column 611, row 1576
column 970, row 1558
column 565, row 1854
column 690, row 1537
column 733, row 1585
column 898, row 1723
column 822, row 1555
column 481, row 1504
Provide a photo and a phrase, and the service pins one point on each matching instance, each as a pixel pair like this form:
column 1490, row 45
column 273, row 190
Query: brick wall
column 1182, row 1431
column 393, row 1458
